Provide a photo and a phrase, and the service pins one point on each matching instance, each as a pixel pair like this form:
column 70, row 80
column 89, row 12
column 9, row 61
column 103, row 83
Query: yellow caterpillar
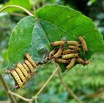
column 30, row 60
column 83, row 43
column 81, row 61
column 68, row 51
column 74, row 48
column 17, row 78
column 75, row 43
column 67, row 56
column 57, row 43
column 71, row 64
column 51, row 54
column 58, row 53
column 20, row 75
column 62, row 61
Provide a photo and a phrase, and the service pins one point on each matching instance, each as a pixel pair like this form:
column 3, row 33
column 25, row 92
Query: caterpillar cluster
column 22, row 72
column 67, row 52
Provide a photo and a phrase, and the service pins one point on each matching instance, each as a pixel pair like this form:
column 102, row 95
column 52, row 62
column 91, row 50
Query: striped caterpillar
column 23, row 71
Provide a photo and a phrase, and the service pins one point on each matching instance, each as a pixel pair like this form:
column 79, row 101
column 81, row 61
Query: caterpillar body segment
column 51, row 54
column 19, row 65
column 17, row 78
column 71, row 64
column 21, row 75
column 58, row 53
column 68, row 51
column 62, row 61
column 29, row 66
column 57, row 43
column 75, row 43
column 26, row 67
column 83, row 43
column 30, row 60
column 67, row 56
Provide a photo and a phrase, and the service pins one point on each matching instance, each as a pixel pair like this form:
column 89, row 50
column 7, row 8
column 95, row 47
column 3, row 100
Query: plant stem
column 68, row 89
column 16, row 6
column 46, row 82
column 7, row 89
column 25, row 99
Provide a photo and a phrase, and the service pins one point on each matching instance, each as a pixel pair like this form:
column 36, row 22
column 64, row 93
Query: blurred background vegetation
column 86, row 82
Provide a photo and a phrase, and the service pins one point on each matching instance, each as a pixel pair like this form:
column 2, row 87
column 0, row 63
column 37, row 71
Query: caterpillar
column 71, row 64
column 68, row 51
column 29, row 66
column 62, row 61
column 75, row 43
column 67, row 56
column 20, row 75
column 58, row 53
column 17, row 79
column 30, row 60
column 51, row 54
column 56, row 43
column 81, row 61
column 74, row 48
column 83, row 43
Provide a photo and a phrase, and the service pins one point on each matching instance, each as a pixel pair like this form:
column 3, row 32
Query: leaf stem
column 46, row 82
column 25, row 99
column 68, row 89
column 16, row 6
column 7, row 89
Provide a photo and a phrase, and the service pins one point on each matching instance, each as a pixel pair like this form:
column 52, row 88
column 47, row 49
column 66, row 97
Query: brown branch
column 68, row 89
column 7, row 89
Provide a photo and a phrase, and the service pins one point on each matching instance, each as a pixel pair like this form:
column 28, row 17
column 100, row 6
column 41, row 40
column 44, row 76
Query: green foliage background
column 86, row 82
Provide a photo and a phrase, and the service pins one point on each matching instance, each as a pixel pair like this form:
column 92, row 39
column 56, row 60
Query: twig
column 68, row 89
column 25, row 99
column 36, row 96
column 16, row 6
column 47, row 82
column 7, row 89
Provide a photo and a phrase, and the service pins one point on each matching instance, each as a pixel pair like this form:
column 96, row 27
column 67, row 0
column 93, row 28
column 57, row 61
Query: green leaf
column 52, row 23
column 24, row 39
